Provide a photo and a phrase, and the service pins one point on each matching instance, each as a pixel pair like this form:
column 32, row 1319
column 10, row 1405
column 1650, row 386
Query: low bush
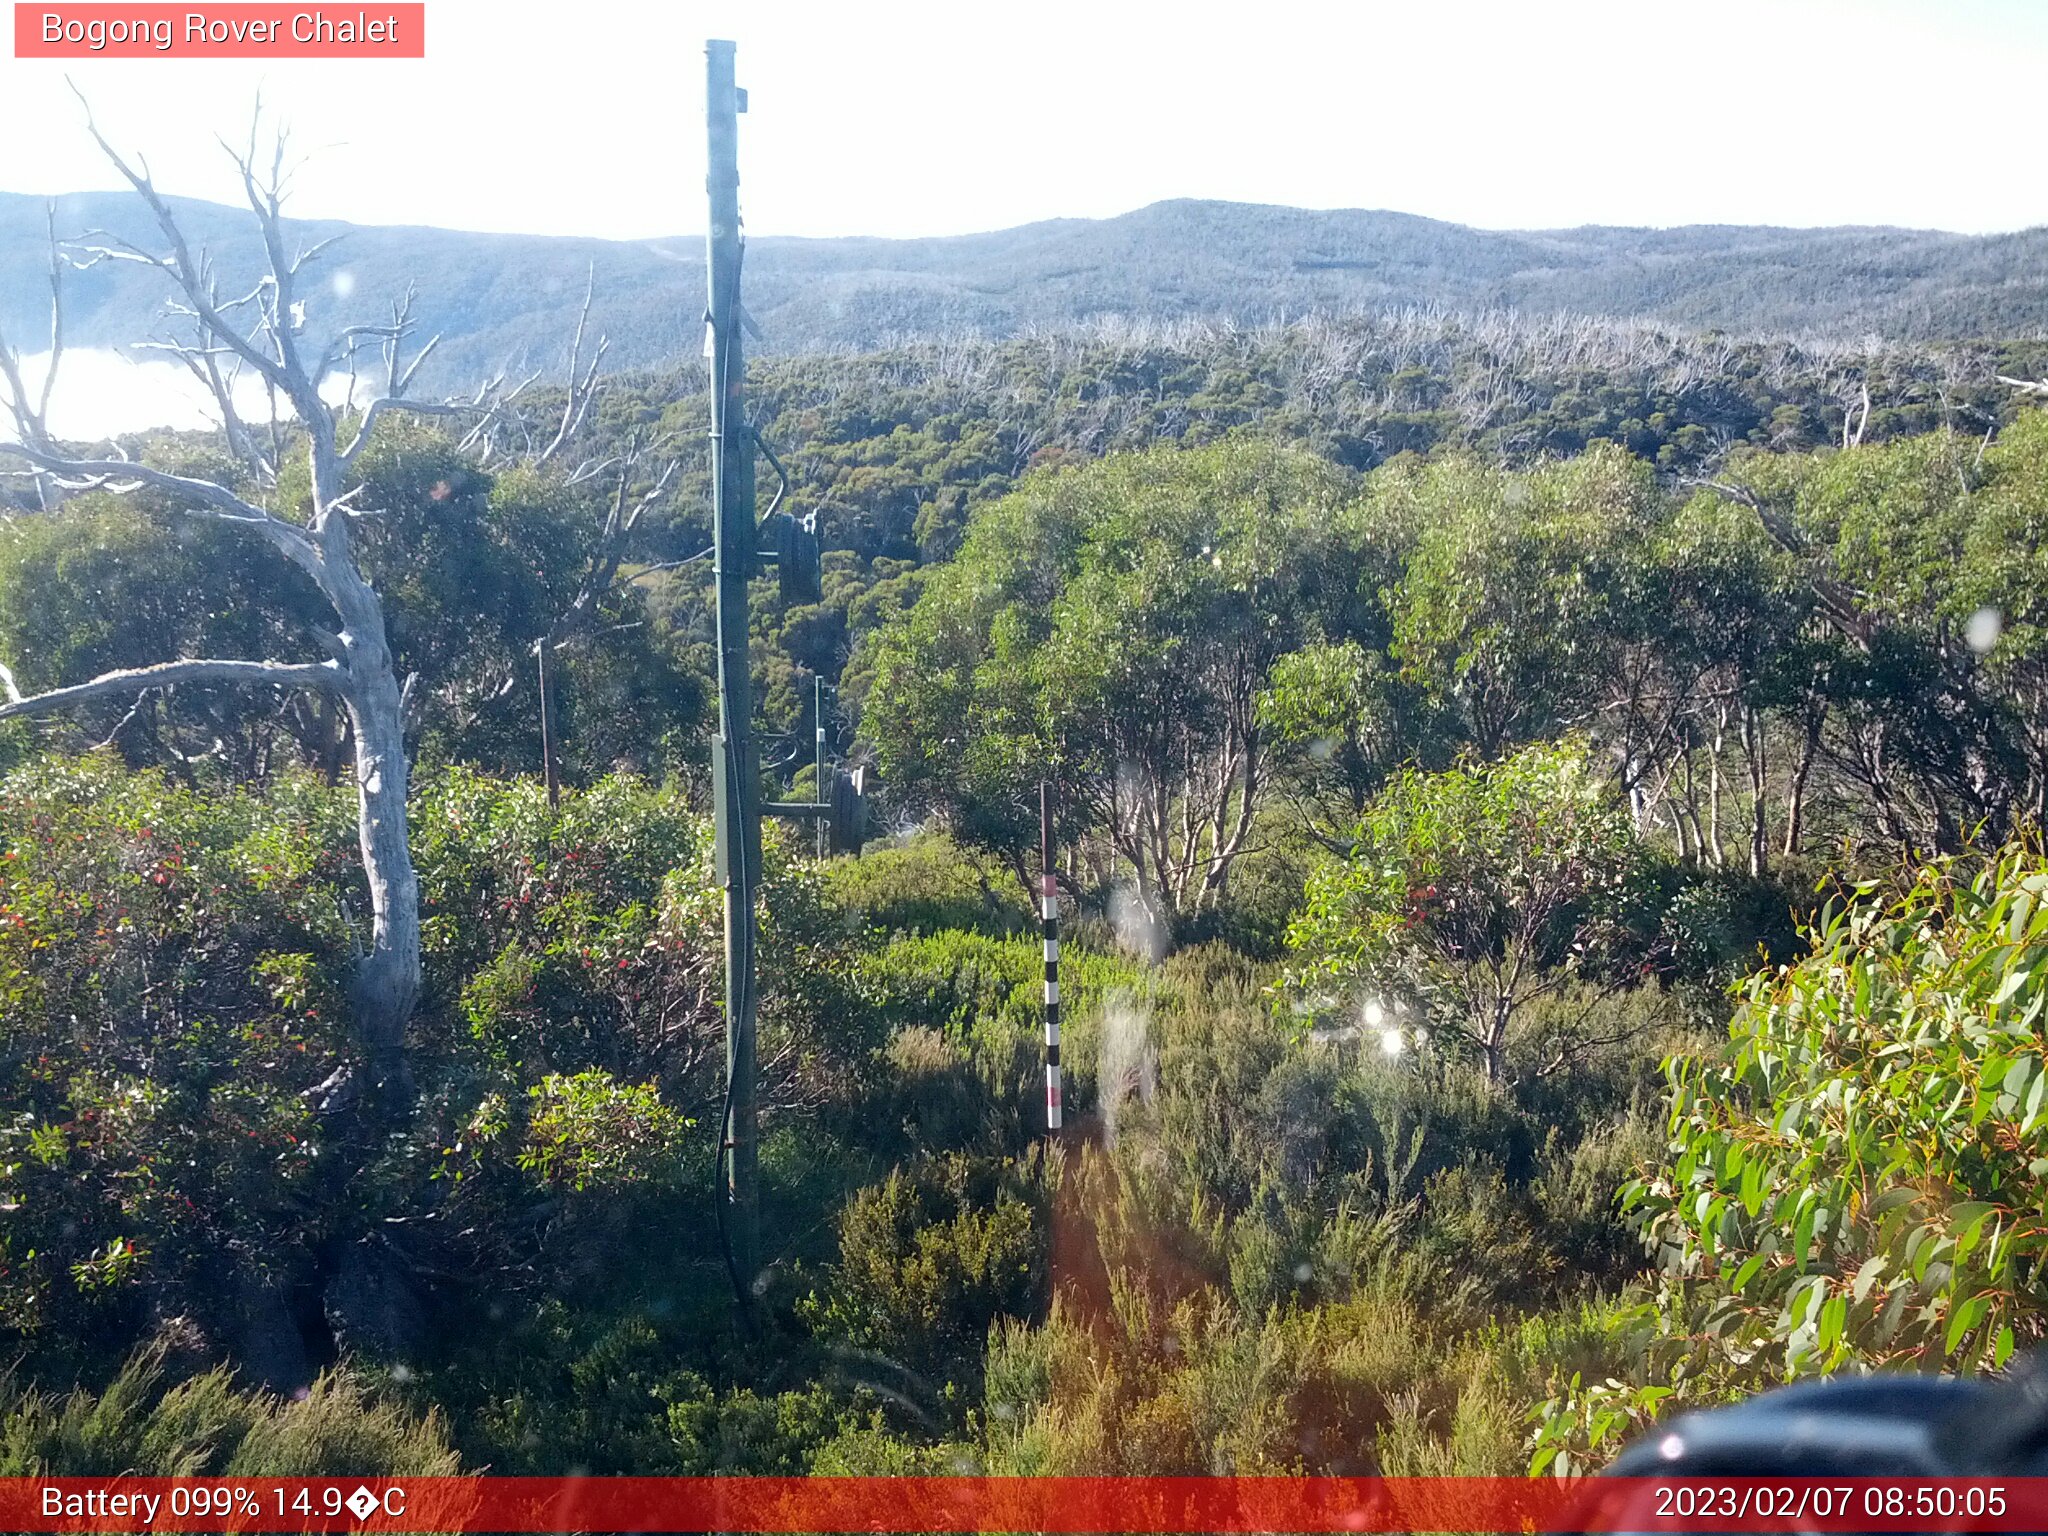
column 1852, row 1183
column 929, row 1260
column 206, row 1426
column 1858, row 1181
column 986, row 996
column 927, row 883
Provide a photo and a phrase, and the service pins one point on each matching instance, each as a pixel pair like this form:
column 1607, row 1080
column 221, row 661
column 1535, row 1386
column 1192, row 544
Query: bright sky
column 902, row 117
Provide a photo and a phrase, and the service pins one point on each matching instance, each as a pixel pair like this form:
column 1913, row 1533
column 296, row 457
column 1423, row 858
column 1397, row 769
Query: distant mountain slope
column 499, row 297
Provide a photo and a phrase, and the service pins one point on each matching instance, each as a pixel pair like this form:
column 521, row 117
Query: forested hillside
column 1500, row 766
column 500, row 299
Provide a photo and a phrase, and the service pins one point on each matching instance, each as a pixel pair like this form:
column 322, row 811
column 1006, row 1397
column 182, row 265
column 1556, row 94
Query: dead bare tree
column 623, row 511
column 1855, row 410
column 260, row 334
column 636, row 478
column 30, row 412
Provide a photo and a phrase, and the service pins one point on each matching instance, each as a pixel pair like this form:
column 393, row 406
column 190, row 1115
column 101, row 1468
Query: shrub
column 1472, row 894
column 925, row 884
column 929, row 1096
column 169, row 1003
column 742, row 1432
column 206, row 1427
column 930, row 1259
column 986, row 996
column 1853, row 1182
column 171, row 971
column 583, row 1380
column 1857, row 1183
column 591, row 1130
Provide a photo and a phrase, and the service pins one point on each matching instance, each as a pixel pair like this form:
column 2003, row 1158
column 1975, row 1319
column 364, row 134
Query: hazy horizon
column 916, row 120
column 292, row 211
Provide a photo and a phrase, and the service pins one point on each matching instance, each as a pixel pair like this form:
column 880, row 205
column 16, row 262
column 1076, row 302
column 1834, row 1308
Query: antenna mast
column 739, row 554
column 735, row 775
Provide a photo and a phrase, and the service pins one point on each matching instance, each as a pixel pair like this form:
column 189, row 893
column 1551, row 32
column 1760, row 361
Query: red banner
column 1051, row 1504
column 381, row 30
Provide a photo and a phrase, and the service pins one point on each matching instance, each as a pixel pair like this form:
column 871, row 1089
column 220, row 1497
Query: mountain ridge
column 500, row 299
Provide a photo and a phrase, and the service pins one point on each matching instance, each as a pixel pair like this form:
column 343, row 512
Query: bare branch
column 212, row 500
column 31, row 420
column 412, row 369
column 386, row 403
column 134, row 712
column 583, row 386
column 56, row 316
column 116, row 249
column 203, row 363
column 589, row 470
column 323, row 675
column 1853, row 437
column 669, row 565
column 180, row 263
column 1783, row 534
column 312, row 252
column 621, row 518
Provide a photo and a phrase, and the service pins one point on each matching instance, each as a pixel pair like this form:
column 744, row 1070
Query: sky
column 899, row 117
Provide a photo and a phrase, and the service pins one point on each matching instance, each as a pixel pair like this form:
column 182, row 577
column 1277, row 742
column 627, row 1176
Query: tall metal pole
column 551, row 772
column 820, row 789
column 735, row 780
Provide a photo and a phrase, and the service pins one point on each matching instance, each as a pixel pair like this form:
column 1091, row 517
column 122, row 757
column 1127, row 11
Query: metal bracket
column 844, row 809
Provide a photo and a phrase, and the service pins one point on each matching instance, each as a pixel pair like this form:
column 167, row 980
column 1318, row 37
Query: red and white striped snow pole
column 1049, row 922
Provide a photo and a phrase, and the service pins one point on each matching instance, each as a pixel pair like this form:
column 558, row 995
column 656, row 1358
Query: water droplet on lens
column 1983, row 630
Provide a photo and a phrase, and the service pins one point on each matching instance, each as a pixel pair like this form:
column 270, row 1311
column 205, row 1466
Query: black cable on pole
column 721, row 1191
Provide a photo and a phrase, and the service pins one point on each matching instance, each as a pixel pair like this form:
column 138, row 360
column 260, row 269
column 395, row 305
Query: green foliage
column 1157, row 1367
column 1857, row 1183
column 472, row 569
column 925, row 884
column 166, row 982
column 1586, row 1422
column 1471, row 894
column 589, row 1129
column 930, row 1260
column 744, row 1433
column 204, row 1426
column 173, row 1026
column 1926, row 554
column 1515, row 580
column 984, row 996
column 1115, row 623
column 119, row 582
column 571, row 1382
column 1345, row 720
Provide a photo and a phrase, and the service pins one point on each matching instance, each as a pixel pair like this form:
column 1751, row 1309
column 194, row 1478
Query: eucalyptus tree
column 308, row 479
column 1741, row 660
column 1922, row 563
column 1116, row 626
column 1523, row 606
column 1474, row 895
column 295, row 487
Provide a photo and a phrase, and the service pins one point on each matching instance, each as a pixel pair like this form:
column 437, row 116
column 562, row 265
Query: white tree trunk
column 387, row 981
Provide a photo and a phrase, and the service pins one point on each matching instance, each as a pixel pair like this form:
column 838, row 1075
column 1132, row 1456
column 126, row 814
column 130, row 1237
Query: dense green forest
column 1549, row 823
